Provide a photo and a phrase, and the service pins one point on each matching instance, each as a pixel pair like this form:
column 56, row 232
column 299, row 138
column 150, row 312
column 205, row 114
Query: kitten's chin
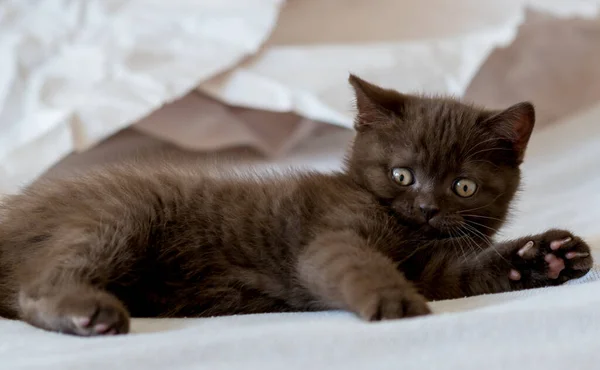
column 442, row 227
column 433, row 232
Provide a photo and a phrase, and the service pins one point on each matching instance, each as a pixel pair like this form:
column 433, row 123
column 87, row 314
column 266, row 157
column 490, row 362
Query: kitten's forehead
column 442, row 134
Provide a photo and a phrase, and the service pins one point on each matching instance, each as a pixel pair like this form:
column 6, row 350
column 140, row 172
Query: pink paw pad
column 555, row 265
column 514, row 275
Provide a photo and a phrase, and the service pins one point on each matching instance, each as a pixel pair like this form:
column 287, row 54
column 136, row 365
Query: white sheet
column 550, row 329
column 554, row 328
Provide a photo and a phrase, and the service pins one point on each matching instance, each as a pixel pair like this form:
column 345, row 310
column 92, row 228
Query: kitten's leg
column 342, row 272
column 62, row 284
column 551, row 258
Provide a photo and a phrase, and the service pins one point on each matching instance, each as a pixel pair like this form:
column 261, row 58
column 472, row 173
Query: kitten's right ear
column 515, row 124
column 376, row 106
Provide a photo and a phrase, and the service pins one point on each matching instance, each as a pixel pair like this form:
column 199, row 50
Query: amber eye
column 403, row 176
column 464, row 188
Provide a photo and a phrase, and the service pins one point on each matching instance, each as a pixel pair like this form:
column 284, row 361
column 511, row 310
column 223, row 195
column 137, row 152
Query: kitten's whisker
column 484, row 238
column 464, row 237
column 482, row 225
column 474, row 209
column 486, row 150
column 483, row 160
column 460, row 246
column 452, row 242
column 478, row 145
column 478, row 216
column 469, row 242
column 419, row 247
column 478, row 233
column 476, row 249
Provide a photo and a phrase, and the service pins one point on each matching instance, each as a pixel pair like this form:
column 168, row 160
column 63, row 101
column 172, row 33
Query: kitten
column 427, row 183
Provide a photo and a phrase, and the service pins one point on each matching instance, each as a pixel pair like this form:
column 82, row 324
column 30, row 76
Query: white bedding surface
column 554, row 328
column 546, row 329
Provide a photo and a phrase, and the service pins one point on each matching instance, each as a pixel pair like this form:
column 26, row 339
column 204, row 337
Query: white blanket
column 554, row 328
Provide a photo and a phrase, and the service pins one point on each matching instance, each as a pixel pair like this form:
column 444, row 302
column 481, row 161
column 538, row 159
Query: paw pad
column 549, row 259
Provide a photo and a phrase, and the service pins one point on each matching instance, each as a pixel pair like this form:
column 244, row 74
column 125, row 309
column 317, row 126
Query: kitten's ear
column 376, row 106
column 515, row 124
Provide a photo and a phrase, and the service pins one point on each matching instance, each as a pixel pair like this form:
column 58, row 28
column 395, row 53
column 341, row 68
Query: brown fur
column 80, row 255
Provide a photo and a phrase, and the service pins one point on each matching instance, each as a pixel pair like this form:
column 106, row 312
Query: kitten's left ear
column 376, row 105
column 515, row 124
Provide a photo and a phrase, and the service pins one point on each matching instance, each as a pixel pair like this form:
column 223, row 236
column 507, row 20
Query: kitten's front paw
column 393, row 303
column 550, row 258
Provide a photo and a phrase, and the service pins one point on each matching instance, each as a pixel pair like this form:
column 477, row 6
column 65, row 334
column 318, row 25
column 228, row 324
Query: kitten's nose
column 429, row 211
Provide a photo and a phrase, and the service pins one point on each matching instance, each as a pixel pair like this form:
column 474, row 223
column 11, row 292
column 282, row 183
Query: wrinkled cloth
column 75, row 72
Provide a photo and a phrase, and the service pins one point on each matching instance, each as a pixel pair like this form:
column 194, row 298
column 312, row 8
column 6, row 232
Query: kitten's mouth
column 436, row 227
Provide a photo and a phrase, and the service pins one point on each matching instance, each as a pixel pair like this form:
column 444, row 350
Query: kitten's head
column 439, row 164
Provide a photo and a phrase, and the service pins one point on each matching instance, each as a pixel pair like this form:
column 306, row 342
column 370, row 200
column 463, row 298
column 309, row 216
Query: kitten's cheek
column 403, row 208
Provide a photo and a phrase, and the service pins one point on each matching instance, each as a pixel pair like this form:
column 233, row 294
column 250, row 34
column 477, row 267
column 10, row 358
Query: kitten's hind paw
column 79, row 312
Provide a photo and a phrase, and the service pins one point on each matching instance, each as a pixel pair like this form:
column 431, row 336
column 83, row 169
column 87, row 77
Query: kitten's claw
column 556, row 244
column 572, row 255
column 525, row 248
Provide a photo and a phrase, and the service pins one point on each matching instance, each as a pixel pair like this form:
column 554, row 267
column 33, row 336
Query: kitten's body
column 189, row 245
column 78, row 255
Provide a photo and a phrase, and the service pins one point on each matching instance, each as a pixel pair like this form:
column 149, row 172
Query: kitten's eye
column 464, row 188
column 403, row 176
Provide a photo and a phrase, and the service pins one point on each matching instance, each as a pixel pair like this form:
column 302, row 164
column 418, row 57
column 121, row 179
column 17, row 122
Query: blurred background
column 84, row 82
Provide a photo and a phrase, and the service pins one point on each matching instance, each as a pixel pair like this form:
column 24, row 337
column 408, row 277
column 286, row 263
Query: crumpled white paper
column 74, row 72
column 433, row 46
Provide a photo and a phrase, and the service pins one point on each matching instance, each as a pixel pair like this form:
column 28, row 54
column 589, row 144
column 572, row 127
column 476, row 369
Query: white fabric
column 553, row 328
column 433, row 46
column 74, row 72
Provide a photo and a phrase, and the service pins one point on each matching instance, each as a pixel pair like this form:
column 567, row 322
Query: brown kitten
column 426, row 181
